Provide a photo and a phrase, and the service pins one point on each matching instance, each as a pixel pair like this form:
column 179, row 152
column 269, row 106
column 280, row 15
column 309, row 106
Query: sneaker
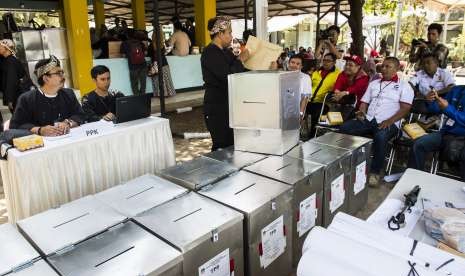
column 374, row 180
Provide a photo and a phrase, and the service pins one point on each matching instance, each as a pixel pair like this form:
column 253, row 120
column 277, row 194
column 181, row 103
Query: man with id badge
column 450, row 140
column 385, row 102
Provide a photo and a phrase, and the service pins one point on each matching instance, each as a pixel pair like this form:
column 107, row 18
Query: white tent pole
column 446, row 22
column 261, row 7
column 400, row 5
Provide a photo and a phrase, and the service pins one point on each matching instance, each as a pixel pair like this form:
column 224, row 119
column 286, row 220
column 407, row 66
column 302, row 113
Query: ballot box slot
column 285, row 166
column 341, row 139
column 240, row 191
column 193, row 170
column 188, row 214
column 251, row 102
column 143, row 191
column 71, row 220
column 318, row 150
column 114, row 256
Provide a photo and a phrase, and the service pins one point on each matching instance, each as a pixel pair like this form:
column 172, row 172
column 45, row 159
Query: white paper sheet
column 390, row 207
column 307, row 215
column 350, row 258
column 338, row 193
column 217, row 266
column 273, row 242
column 368, row 234
column 360, row 177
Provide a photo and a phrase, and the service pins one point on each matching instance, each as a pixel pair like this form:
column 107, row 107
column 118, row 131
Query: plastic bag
column 446, row 224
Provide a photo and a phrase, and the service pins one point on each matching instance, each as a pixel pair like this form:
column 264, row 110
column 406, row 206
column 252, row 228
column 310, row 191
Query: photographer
column 420, row 47
column 451, row 139
column 327, row 43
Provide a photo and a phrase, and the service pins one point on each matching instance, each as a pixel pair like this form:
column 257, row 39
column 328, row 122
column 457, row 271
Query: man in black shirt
column 100, row 103
column 49, row 110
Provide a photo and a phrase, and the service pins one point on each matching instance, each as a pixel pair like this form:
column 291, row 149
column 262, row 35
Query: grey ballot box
column 337, row 175
column 266, row 205
column 57, row 230
column 18, row 257
column 236, row 158
column 360, row 148
column 125, row 249
column 199, row 172
column 306, row 178
column 206, row 232
column 140, row 194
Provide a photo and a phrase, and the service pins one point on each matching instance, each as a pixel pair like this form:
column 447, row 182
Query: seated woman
column 353, row 81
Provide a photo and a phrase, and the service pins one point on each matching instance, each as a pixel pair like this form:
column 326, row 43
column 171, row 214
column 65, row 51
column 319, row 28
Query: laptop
column 131, row 108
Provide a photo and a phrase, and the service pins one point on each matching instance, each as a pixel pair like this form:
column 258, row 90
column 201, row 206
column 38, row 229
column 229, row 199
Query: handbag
column 153, row 69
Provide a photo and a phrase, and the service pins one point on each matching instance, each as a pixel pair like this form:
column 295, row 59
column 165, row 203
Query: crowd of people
column 379, row 94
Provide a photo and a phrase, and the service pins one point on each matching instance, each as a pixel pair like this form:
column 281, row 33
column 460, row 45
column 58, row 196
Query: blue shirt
column 454, row 111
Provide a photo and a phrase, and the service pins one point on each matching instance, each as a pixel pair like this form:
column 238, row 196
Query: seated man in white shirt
column 432, row 77
column 296, row 64
column 384, row 104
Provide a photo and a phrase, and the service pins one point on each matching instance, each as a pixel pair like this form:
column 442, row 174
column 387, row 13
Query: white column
column 400, row 5
column 446, row 22
column 262, row 17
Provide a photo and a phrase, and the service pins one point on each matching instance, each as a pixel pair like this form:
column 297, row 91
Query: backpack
column 136, row 53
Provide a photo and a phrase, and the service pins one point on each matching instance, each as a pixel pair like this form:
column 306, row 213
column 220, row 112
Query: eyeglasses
column 58, row 73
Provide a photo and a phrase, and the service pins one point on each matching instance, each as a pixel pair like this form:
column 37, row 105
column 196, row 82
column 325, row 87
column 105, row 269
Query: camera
column 324, row 34
column 416, row 42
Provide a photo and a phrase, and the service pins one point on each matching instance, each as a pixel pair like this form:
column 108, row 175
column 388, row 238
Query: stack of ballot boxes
column 360, row 150
column 264, row 111
column 87, row 237
column 306, row 178
column 337, row 174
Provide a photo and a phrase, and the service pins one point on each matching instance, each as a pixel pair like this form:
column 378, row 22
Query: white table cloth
column 78, row 165
column 433, row 187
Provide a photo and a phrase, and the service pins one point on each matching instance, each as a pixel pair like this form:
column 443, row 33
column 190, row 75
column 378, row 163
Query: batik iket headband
column 222, row 24
column 44, row 69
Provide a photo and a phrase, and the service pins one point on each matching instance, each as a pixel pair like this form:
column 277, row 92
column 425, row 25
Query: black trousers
column 314, row 110
column 218, row 126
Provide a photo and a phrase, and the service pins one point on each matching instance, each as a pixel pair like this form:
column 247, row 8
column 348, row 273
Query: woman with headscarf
column 218, row 61
column 156, row 68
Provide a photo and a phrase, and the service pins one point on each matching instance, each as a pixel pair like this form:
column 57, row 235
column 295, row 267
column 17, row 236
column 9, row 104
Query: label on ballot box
column 217, row 266
column 338, row 193
column 360, row 177
column 273, row 242
column 307, row 215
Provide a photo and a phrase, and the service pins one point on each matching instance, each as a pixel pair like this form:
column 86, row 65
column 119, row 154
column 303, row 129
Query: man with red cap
column 353, row 81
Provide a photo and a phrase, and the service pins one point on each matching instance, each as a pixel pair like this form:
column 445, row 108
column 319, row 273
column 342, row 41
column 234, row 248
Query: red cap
column 374, row 53
column 358, row 60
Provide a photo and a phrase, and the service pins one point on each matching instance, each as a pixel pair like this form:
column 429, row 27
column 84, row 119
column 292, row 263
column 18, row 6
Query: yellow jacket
column 326, row 86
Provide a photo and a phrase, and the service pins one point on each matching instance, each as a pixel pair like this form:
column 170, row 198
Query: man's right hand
column 432, row 96
column 360, row 115
column 51, row 131
column 109, row 116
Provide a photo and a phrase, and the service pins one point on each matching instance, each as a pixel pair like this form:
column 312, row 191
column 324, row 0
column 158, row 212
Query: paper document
column 307, row 215
column 218, row 266
column 360, row 177
column 338, row 193
column 262, row 54
column 273, row 242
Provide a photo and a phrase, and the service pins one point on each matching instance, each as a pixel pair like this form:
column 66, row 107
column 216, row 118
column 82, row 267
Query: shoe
column 374, row 180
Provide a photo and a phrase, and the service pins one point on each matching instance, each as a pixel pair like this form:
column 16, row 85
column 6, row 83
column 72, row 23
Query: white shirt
column 305, row 85
column 440, row 80
column 384, row 98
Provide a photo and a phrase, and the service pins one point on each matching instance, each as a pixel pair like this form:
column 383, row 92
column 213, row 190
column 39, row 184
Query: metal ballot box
column 60, row 229
column 337, row 175
column 123, row 250
column 208, row 234
column 360, row 148
column 264, row 110
column 18, row 257
column 235, row 158
column 307, row 180
column 140, row 194
column 198, row 172
column 266, row 205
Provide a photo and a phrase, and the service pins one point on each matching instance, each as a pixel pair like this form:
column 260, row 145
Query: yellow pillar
column 204, row 10
column 79, row 48
column 99, row 14
column 138, row 14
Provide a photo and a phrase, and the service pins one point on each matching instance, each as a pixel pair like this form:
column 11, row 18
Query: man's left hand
column 386, row 124
column 339, row 95
column 443, row 104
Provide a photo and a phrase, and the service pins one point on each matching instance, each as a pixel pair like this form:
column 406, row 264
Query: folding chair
column 349, row 103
